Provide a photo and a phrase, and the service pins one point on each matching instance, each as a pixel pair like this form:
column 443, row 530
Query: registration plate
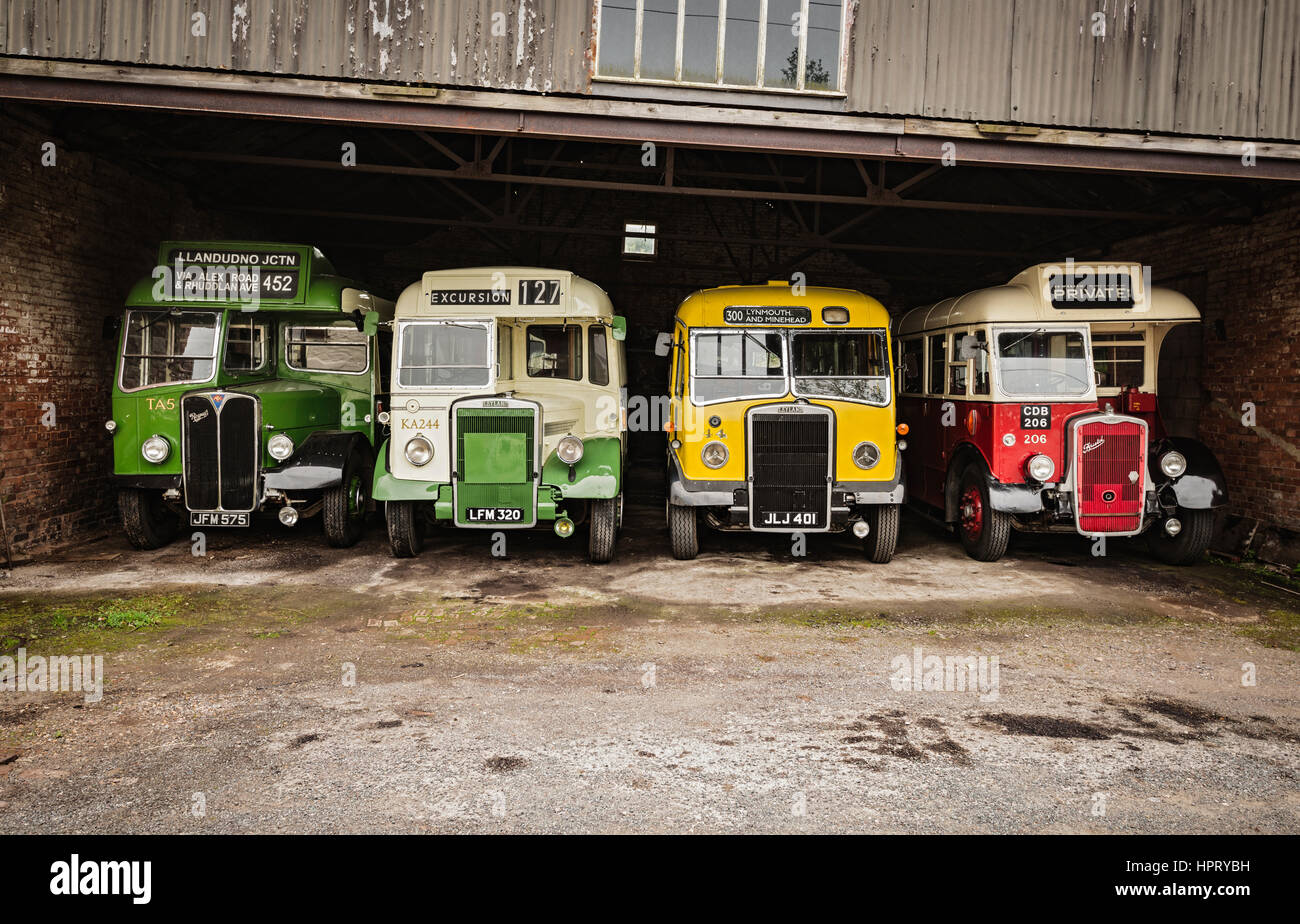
column 1035, row 417
column 494, row 514
column 790, row 519
column 218, row 519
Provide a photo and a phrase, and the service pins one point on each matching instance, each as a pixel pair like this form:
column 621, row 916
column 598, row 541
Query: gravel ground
column 746, row 691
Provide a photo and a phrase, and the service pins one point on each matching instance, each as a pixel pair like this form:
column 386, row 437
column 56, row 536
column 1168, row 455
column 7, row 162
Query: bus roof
column 503, row 291
column 1044, row 292
column 705, row 307
column 292, row 277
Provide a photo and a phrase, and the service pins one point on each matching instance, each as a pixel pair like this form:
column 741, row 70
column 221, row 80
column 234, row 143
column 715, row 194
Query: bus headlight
column 110, row 426
column 155, row 449
column 866, row 455
column 1173, row 464
column 714, row 454
column 1041, row 467
column 418, row 451
column 569, row 450
column 280, row 447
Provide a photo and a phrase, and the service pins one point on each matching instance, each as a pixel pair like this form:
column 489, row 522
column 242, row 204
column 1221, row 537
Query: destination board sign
column 766, row 314
column 1088, row 290
column 230, row 273
column 469, row 297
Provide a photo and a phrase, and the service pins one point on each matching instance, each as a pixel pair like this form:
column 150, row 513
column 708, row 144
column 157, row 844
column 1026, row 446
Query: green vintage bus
column 249, row 379
column 507, row 407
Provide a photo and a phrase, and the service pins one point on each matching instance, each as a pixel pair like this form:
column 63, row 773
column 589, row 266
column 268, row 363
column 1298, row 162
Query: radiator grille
column 495, row 463
column 790, row 464
column 219, row 451
column 1110, row 459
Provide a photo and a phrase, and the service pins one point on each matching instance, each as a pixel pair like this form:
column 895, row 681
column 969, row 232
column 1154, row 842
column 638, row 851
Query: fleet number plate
column 790, row 519
column 218, row 519
column 1035, row 417
column 494, row 514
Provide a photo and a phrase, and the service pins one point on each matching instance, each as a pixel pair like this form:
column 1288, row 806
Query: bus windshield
column 443, row 355
column 168, row 348
column 728, row 365
column 1043, row 362
column 841, row 364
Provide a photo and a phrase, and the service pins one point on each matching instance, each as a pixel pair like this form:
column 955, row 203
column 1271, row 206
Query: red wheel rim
column 972, row 513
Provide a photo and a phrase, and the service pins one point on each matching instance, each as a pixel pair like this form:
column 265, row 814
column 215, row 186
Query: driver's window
column 246, row 345
column 982, row 363
column 957, row 368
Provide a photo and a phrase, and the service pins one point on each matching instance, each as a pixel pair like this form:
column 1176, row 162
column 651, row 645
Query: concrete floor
column 745, row 691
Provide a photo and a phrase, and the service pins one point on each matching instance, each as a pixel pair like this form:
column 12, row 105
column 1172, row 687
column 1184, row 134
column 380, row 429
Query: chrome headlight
column 280, row 447
column 155, row 449
column 1173, row 464
column 866, row 455
column 1041, row 467
column 569, row 449
column 714, row 454
column 418, row 451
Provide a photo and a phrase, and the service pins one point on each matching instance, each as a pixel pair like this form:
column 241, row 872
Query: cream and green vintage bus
column 782, row 416
column 507, row 407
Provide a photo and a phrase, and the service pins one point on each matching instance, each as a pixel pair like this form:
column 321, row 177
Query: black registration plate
column 1035, row 417
column 218, row 519
column 790, row 519
column 494, row 515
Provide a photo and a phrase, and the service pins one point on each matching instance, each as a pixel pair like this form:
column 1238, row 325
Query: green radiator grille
column 495, row 449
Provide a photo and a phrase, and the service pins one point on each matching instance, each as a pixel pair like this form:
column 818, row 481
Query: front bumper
column 684, row 492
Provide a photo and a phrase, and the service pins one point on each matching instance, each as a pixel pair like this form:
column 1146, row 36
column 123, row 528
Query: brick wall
column 1245, row 278
column 73, row 239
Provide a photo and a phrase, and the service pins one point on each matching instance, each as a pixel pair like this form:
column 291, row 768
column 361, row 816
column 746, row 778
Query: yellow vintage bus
column 781, row 416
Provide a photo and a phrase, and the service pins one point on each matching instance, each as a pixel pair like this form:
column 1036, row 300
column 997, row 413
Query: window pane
column 659, row 40
column 245, row 345
column 740, row 64
column 937, row 361
column 700, row 42
column 326, row 349
column 162, row 348
column 444, row 355
column 599, row 350
column 982, row 364
column 555, row 352
column 913, row 361
column 738, row 354
column 1043, row 363
column 781, row 62
column 822, row 61
column 617, row 38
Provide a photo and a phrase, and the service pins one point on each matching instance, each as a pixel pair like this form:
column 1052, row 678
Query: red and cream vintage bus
column 1033, row 406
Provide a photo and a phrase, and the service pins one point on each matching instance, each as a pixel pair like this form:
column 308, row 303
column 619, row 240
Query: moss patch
column 1276, row 629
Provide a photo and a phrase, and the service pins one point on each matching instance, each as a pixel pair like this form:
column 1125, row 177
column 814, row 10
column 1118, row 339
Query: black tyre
column 984, row 532
column 604, row 530
column 147, row 521
column 882, row 540
column 345, row 505
column 405, row 528
column 1191, row 542
column 684, row 533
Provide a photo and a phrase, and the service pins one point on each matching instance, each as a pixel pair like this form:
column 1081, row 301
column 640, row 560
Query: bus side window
column 679, row 375
column 957, row 368
column 936, row 364
column 982, row 364
column 913, row 363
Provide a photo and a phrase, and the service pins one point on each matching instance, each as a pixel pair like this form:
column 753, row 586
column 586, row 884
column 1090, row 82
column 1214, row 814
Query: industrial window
column 598, row 350
column 639, row 241
column 936, row 364
column 326, row 349
column 555, row 352
column 1120, row 359
column 792, row 45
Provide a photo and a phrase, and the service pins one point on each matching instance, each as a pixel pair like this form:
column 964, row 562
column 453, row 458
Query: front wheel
column 146, row 519
column 984, row 532
column 405, row 528
column 344, row 509
column 1191, row 542
column 882, row 536
column 604, row 530
column 683, row 531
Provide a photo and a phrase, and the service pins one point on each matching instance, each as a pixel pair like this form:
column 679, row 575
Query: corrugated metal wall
column 1202, row 67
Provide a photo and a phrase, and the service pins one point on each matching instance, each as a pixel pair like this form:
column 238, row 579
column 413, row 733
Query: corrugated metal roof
column 1219, row 74
column 968, row 55
column 1279, row 92
column 887, row 55
column 1052, row 62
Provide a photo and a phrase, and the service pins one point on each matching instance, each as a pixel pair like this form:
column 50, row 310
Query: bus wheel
column 405, row 528
column 882, row 538
column 683, row 531
column 984, row 532
column 1189, row 545
column 604, row 530
column 344, row 509
column 147, row 521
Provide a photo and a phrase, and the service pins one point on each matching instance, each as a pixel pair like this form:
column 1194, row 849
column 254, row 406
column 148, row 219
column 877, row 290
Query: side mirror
column 370, row 323
column 663, row 343
column 618, row 327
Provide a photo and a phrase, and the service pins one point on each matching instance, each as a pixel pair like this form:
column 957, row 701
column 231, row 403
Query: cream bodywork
column 568, row 408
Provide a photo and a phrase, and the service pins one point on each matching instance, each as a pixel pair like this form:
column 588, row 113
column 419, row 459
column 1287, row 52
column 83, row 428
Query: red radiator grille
column 1107, row 456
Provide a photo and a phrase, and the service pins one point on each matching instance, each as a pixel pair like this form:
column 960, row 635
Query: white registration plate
column 494, row 515
column 218, row 519
column 790, row 519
